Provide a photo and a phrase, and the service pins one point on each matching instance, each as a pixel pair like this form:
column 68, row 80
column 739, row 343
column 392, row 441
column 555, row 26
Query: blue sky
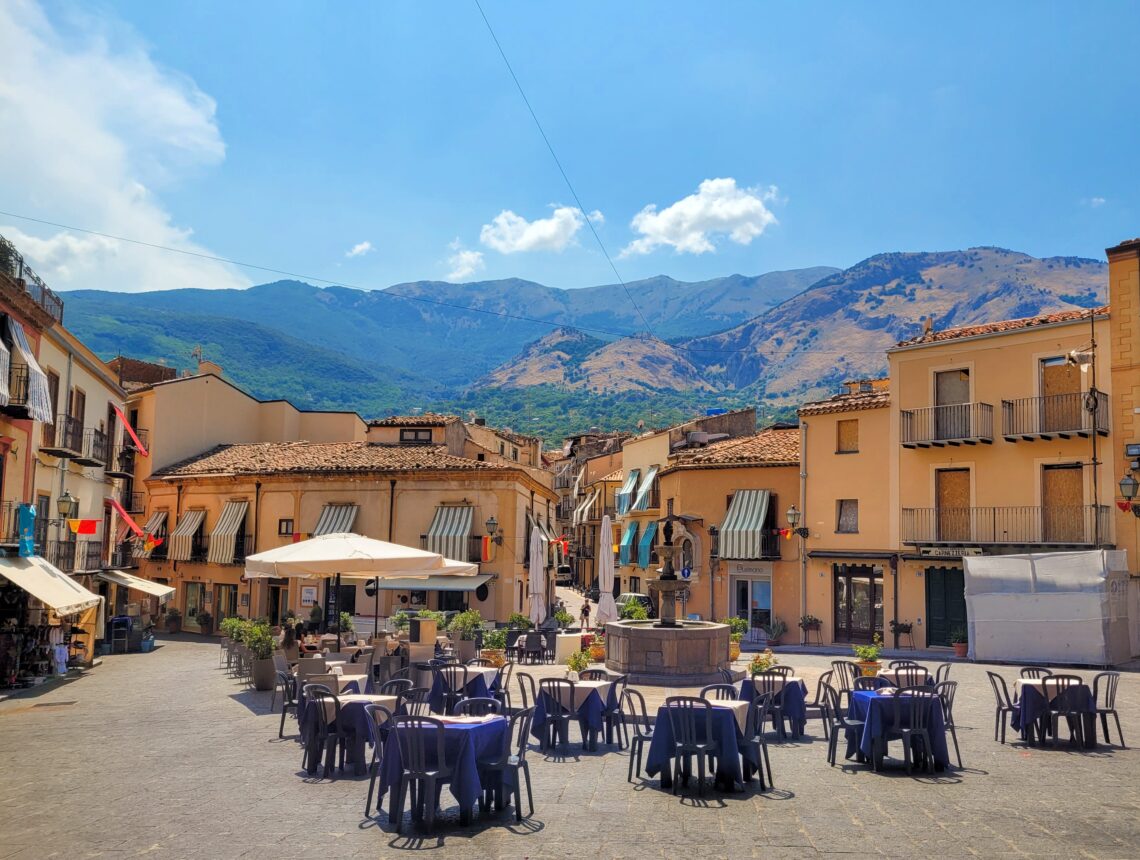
column 290, row 133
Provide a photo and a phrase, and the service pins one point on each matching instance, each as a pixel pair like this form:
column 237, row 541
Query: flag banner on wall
column 485, row 552
column 122, row 512
column 130, row 431
column 150, row 543
column 83, row 527
column 26, row 523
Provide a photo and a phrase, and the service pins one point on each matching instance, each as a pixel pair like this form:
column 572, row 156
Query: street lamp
column 794, row 516
column 1128, row 488
column 66, row 505
column 493, row 530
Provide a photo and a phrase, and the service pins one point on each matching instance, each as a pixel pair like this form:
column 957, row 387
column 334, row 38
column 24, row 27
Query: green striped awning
column 624, row 497
column 645, row 545
column 449, row 531
column 154, row 526
column 625, row 548
column 182, row 538
column 641, row 503
column 223, row 539
column 335, row 519
column 741, row 536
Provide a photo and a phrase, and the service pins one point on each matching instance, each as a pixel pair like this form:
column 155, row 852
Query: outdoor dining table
column 876, row 708
column 591, row 699
column 352, row 725
column 1031, row 710
column 793, row 693
column 481, row 683
column 736, row 760
column 891, row 676
column 344, row 684
column 467, row 742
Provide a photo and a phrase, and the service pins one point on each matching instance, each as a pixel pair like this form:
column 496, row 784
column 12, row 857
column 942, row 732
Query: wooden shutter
column 847, row 436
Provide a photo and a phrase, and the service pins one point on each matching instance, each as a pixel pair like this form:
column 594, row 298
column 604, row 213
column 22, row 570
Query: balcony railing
column 1066, row 525
column 123, row 556
column 135, row 503
column 1058, row 415
column 565, row 479
column 956, row 424
column 64, row 438
column 74, row 556
column 9, row 525
column 17, row 404
column 12, row 264
column 200, row 549
column 474, row 547
column 122, row 463
column 95, row 448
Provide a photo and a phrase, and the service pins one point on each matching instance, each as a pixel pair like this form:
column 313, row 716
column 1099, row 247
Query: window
column 481, row 457
column 514, row 453
column 78, row 408
column 502, row 449
column 847, row 516
column 285, row 527
column 847, row 436
column 415, row 436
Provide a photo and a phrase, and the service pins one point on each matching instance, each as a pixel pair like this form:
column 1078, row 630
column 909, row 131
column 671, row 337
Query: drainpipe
column 256, row 532
column 804, row 514
column 894, row 562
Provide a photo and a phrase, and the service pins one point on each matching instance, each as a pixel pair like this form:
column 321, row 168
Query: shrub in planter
column 774, row 630
column 598, row 647
column 869, row 655
column 346, row 625
column 810, row 622
column 564, row 618
column 518, row 621
column 901, row 626
column 579, row 661
column 495, row 646
column 173, row 620
column 205, row 622
column 259, row 639
column 960, row 639
column 762, row 662
column 466, row 625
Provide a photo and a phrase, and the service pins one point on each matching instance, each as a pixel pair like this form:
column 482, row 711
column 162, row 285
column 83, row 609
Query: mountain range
column 582, row 354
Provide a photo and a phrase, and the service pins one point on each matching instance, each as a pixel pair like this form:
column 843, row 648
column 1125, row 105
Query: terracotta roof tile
column 766, row 448
column 617, row 475
column 1001, row 326
column 427, row 419
column 848, row 402
column 268, row 458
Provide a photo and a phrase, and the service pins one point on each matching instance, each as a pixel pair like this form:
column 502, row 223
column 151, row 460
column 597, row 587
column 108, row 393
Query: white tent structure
column 537, row 573
column 1063, row 607
column 607, row 609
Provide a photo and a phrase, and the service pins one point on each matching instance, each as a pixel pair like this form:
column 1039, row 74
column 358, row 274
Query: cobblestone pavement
column 162, row 755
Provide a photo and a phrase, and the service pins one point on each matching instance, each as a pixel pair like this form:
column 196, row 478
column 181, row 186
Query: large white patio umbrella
column 353, row 556
column 607, row 609
column 537, row 577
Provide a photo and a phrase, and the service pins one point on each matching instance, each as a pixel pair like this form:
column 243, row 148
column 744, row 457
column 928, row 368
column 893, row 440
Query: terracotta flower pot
column 869, row 668
column 733, row 651
column 597, row 652
column 961, row 649
column 497, row 656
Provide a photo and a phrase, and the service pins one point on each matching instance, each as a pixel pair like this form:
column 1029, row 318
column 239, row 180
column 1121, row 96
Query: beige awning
column 449, row 530
column 48, row 584
column 127, row 580
column 153, row 527
column 223, row 539
column 335, row 519
column 182, row 538
column 742, row 534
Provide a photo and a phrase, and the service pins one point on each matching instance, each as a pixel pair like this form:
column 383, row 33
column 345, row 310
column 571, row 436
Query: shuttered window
column 847, row 436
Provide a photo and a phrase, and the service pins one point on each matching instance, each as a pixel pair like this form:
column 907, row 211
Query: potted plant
column 774, row 630
column 173, row 620
column 465, row 625
column 564, row 618
column 518, row 621
column 259, row 639
column 869, row 656
column 205, row 623
column 633, row 610
column 809, row 622
column 346, row 625
column 401, row 621
column 495, row 647
column 597, row 648
column 231, row 628
column 577, row 662
column 737, row 627
column 762, row 661
column 960, row 639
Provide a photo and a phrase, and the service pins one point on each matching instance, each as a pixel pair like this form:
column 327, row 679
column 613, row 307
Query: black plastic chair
column 633, row 703
column 1062, row 693
column 527, row 689
column 328, row 739
column 1003, row 705
column 512, row 757
column 502, row 685
column 378, row 720
column 1111, row 681
column 865, row 682
column 480, row 661
column 845, row 674
column 614, row 714
column 477, row 706
column 772, row 683
column 453, row 678
column 593, row 675
column 784, row 671
column 394, row 687
column 534, row 648
column 719, row 692
column 911, row 676
column 514, row 649
column 946, row 691
column 901, row 664
column 840, row 723
column 550, row 643
column 726, row 675
column 1035, row 673
column 423, row 765
column 758, row 715
column 289, row 698
column 942, row 673
column 912, row 722
column 819, row 705
column 690, row 719
column 558, row 691
column 414, row 701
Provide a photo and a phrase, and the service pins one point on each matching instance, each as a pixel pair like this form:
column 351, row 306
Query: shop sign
column 750, row 568
column 949, row 551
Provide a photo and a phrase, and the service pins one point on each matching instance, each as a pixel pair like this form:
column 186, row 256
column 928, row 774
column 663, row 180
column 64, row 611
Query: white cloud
column 509, row 233
column 101, row 127
column 359, row 249
column 464, row 263
column 692, row 224
column 1096, row 202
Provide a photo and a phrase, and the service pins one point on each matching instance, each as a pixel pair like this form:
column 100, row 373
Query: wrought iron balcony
column 17, row 405
column 1060, row 416
column 64, row 438
column 1059, row 525
column 122, row 463
column 939, row 426
column 95, row 448
column 474, row 547
column 9, row 525
column 135, row 503
column 75, row 556
column 13, row 265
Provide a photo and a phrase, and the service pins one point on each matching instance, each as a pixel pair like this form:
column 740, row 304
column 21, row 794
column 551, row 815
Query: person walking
column 586, row 614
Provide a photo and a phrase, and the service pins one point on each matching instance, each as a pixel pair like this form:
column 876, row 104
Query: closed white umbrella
column 537, row 577
column 607, row 609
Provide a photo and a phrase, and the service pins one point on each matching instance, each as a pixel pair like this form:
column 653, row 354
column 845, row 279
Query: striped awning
column 645, row 545
column 578, row 480
column 5, row 372
column 625, row 548
column 223, row 539
column 182, row 538
column 624, row 497
column 741, row 536
column 449, row 530
column 335, row 519
column 128, row 580
column 154, row 526
column 40, row 407
column 641, row 503
column 582, row 512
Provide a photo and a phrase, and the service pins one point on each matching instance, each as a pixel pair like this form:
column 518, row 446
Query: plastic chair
column 719, row 692
column 946, row 691
column 477, row 706
column 423, row 765
column 502, row 685
column 845, row 674
column 394, row 687
column 690, row 718
column 454, row 679
column 785, row 671
column 725, row 674
column 915, row 703
column 758, row 716
column 558, row 692
column 288, row 698
column 1111, row 680
column 1035, row 673
column 942, row 673
column 378, row 717
column 902, row 664
column 1003, row 704
column 593, row 675
column 773, row 683
column 512, row 757
column 614, row 714
column 819, row 703
column 534, row 648
column 633, row 704
column 911, row 676
column 865, row 682
column 328, row 739
column 480, row 661
column 526, row 683
column 1062, row 693
column 840, row 723
column 414, row 701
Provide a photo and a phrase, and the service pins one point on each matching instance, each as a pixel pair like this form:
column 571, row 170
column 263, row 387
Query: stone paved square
column 164, row 755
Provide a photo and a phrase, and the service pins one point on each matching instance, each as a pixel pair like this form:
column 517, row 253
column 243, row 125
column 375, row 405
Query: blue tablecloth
column 465, row 746
column 476, row 689
column 353, row 724
column 591, row 714
column 793, row 703
column 878, row 712
column 730, row 742
column 1032, row 708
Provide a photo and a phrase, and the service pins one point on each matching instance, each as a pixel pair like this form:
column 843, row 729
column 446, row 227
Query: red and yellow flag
column 83, row 527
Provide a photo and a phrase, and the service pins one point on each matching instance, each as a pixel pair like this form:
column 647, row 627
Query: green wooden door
column 945, row 603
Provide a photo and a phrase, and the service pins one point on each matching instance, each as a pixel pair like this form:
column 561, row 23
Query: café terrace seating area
column 407, row 732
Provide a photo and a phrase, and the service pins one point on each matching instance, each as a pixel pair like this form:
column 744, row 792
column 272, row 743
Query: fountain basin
column 688, row 655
